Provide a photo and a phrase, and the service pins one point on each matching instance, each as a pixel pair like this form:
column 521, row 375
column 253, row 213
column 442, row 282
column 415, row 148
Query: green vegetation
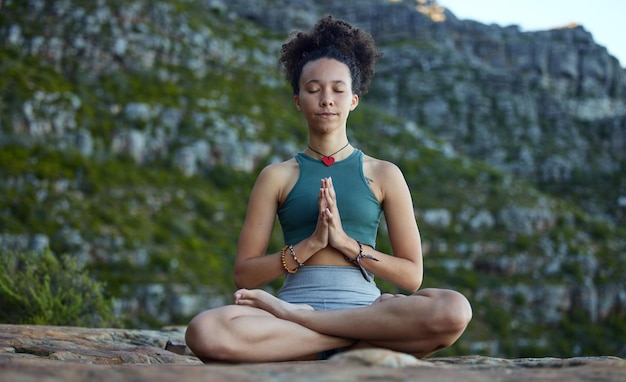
column 41, row 289
column 160, row 226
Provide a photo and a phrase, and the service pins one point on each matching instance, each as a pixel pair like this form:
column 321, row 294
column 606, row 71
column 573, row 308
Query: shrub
column 41, row 289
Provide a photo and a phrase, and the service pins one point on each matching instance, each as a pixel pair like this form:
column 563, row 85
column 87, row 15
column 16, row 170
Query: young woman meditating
column 329, row 199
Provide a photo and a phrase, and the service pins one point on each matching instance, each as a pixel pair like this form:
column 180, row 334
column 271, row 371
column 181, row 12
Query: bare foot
column 261, row 299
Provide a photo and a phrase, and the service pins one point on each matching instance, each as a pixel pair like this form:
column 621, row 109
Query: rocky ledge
column 46, row 353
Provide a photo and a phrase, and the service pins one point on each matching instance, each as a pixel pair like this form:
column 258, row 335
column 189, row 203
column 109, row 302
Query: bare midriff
column 328, row 256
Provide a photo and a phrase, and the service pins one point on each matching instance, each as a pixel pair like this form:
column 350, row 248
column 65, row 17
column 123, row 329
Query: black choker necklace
column 328, row 160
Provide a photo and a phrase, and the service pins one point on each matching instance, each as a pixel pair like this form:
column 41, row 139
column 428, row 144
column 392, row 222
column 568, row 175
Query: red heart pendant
column 328, row 161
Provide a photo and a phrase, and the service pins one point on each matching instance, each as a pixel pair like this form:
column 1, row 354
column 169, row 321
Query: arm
column 253, row 267
column 404, row 268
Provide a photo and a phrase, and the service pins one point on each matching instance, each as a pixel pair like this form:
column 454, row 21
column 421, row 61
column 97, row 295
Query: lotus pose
column 329, row 200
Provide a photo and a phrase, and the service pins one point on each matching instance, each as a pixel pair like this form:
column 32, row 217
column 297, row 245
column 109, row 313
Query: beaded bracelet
column 282, row 259
column 357, row 261
column 293, row 254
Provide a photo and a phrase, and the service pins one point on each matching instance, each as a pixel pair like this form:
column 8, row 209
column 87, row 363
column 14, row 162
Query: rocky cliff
column 130, row 134
column 549, row 106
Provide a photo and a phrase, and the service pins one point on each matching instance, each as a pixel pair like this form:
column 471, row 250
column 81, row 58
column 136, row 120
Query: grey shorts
column 329, row 288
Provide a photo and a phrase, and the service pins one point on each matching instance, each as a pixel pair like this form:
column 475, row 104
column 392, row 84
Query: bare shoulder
column 278, row 178
column 280, row 169
column 384, row 178
column 381, row 170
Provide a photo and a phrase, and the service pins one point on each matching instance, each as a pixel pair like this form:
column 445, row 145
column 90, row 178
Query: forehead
column 326, row 69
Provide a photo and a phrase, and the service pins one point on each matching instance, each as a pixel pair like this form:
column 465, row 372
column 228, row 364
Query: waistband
column 328, row 288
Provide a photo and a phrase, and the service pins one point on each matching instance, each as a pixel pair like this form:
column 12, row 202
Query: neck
column 329, row 141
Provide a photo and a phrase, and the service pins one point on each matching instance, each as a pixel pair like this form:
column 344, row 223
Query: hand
column 320, row 235
column 330, row 214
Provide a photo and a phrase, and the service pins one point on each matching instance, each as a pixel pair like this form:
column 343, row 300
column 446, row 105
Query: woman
column 329, row 200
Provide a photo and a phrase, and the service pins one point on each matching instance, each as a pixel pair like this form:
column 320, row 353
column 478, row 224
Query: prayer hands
column 329, row 226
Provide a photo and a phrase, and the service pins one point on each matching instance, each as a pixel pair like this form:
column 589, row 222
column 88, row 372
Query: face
column 325, row 97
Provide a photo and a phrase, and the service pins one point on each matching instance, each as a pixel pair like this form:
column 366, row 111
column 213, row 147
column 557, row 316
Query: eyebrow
column 318, row 81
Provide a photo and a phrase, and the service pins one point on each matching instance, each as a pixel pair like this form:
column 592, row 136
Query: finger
column 328, row 218
column 328, row 183
column 329, row 199
column 331, row 193
column 322, row 200
column 330, row 188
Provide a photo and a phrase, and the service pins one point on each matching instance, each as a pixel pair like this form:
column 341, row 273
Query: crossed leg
column 261, row 327
column 237, row 333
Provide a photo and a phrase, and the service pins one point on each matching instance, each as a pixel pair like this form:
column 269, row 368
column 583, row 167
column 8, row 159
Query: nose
column 327, row 100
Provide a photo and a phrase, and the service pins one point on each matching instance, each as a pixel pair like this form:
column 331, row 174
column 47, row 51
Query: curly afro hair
column 336, row 39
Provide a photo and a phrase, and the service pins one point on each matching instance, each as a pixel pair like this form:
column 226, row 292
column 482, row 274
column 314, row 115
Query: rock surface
column 45, row 353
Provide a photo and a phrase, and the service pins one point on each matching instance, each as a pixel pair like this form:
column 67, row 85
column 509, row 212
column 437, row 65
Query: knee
column 205, row 336
column 197, row 335
column 453, row 312
column 460, row 310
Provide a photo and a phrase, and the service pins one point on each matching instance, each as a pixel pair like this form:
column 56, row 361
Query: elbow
column 242, row 284
column 239, row 278
column 248, row 276
column 238, row 284
column 243, row 281
column 410, row 284
column 415, row 282
column 415, row 286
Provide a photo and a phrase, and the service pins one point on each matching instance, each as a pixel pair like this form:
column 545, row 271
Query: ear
column 296, row 101
column 355, row 102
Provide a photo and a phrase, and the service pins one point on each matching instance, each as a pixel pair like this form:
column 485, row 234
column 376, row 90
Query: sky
column 604, row 19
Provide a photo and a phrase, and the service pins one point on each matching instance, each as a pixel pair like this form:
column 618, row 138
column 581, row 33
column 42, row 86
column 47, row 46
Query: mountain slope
column 131, row 133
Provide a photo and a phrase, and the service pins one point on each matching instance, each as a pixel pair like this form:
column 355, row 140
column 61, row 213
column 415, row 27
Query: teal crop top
column 359, row 209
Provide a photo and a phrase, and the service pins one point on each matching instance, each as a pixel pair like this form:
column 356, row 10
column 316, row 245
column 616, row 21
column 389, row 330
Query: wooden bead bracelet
column 293, row 253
